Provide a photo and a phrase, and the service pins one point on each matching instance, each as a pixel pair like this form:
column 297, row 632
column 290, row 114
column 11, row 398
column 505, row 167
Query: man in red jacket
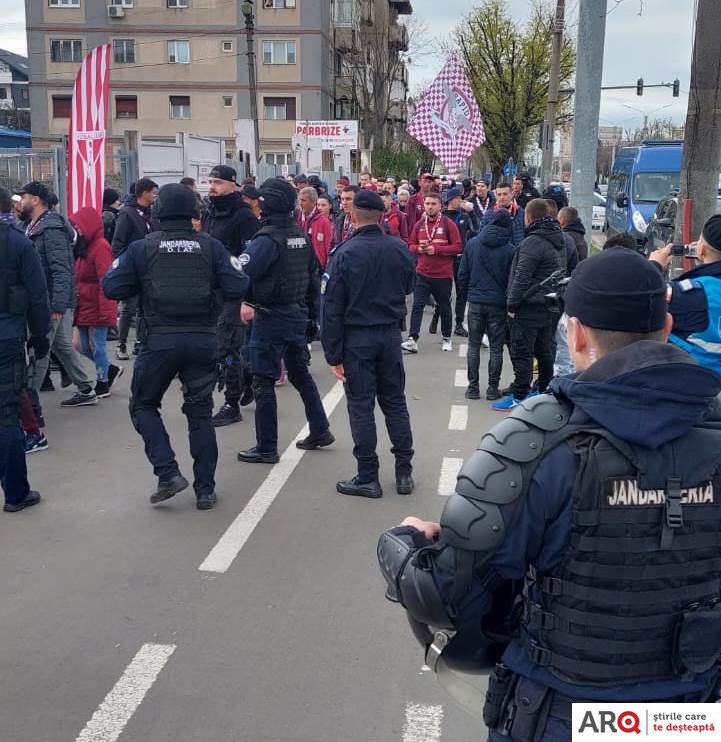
column 318, row 227
column 394, row 220
column 436, row 241
column 416, row 204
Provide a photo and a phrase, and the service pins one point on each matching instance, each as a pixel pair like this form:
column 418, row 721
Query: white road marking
column 423, row 723
column 461, row 378
column 463, row 350
column 233, row 540
column 118, row 707
column 459, row 417
column 449, row 473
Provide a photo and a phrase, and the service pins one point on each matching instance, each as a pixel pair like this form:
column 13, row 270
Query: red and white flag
column 447, row 120
column 86, row 142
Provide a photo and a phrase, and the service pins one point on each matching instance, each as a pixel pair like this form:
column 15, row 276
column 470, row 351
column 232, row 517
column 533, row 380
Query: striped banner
column 86, row 142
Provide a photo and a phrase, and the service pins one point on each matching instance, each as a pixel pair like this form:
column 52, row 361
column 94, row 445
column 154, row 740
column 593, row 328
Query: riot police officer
column 283, row 272
column 181, row 278
column 364, row 303
column 23, row 307
column 695, row 298
column 605, row 495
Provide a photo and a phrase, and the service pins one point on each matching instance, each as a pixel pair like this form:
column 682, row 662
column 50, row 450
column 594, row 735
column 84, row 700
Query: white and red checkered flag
column 447, row 120
column 86, row 140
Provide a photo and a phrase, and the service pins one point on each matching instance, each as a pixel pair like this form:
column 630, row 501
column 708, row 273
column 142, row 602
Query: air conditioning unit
column 116, row 11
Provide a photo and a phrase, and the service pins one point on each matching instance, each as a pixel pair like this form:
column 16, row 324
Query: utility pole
column 589, row 75
column 702, row 140
column 549, row 125
column 247, row 10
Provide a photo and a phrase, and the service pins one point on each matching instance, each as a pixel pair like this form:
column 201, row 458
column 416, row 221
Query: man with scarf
column 284, row 290
column 230, row 220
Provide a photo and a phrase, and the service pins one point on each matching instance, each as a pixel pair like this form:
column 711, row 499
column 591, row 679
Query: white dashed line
column 108, row 722
column 459, row 417
column 423, row 723
column 240, row 530
column 461, row 377
column 463, row 350
column 449, row 473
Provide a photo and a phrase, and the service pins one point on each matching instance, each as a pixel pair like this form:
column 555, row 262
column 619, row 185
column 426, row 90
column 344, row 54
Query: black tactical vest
column 178, row 293
column 638, row 594
column 288, row 279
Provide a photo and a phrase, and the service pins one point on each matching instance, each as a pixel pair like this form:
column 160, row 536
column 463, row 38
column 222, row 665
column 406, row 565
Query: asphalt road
column 111, row 629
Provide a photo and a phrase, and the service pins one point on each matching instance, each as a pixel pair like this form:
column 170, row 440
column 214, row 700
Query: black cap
column 110, row 196
column 36, row 188
column 176, row 201
column 618, row 290
column 278, row 196
column 452, row 193
column 315, row 181
column 502, row 218
column 369, row 200
column 300, row 178
column 712, row 232
column 250, row 191
column 223, row 172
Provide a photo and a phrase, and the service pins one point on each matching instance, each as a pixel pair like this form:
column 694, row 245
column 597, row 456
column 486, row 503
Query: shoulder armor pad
column 545, row 411
column 472, row 525
column 485, row 477
column 514, row 439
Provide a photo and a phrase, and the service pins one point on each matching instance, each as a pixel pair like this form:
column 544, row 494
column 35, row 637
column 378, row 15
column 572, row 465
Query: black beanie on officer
column 278, row 196
column 175, row 201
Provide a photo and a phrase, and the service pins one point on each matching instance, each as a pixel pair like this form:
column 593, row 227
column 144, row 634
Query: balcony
column 343, row 13
column 402, row 7
column 399, row 37
column 345, row 39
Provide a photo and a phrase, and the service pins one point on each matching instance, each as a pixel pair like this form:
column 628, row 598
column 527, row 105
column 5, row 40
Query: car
column 599, row 211
column 662, row 225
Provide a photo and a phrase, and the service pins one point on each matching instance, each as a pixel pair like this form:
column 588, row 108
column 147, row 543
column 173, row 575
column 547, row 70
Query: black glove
column 312, row 331
column 40, row 344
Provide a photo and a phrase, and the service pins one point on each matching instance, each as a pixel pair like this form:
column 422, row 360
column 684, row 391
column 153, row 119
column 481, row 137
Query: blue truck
column 641, row 176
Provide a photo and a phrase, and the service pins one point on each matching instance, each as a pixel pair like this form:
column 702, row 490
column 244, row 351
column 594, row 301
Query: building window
column 62, row 106
column 278, row 158
column 227, row 101
column 24, row 94
column 126, row 107
column 64, row 3
column 66, row 50
column 3, row 93
column 279, row 109
column 227, row 46
column 179, row 52
column 124, row 51
column 178, row 3
column 279, row 3
column 121, row 3
column 179, row 106
column 279, row 52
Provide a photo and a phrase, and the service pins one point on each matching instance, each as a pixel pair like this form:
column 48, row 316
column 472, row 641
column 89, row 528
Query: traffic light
column 676, row 87
column 639, row 86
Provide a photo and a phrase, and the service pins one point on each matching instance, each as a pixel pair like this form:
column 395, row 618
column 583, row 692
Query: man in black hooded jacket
column 231, row 220
column 542, row 253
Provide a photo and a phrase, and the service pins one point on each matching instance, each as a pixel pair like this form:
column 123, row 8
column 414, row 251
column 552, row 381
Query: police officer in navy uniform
column 182, row 278
column 364, row 303
column 605, row 496
column 283, row 297
column 24, row 308
column 695, row 298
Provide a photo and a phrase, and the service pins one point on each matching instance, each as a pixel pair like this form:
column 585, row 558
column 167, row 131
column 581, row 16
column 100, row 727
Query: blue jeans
column 564, row 363
column 93, row 341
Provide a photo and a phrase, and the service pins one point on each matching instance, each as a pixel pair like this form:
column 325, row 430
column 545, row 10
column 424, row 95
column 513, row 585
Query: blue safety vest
column 704, row 346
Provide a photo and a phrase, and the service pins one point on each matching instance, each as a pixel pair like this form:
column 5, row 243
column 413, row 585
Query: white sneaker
column 447, row 345
column 410, row 345
column 484, row 342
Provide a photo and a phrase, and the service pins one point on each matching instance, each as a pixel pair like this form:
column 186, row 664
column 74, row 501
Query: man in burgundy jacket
column 318, row 227
column 436, row 241
column 416, row 204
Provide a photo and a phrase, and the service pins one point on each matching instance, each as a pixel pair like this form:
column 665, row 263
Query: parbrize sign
column 331, row 133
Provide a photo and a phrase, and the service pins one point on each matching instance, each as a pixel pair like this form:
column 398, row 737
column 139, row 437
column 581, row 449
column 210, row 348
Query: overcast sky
column 655, row 45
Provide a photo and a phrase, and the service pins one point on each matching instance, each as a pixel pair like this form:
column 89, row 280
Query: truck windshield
column 652, row 187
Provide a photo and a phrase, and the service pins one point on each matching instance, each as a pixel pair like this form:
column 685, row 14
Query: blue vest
column 704, row 346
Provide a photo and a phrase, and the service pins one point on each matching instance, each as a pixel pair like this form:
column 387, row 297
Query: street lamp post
column 247, row 10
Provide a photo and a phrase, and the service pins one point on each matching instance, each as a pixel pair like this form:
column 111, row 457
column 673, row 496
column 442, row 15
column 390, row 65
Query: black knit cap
column 176, row 201
column 712, row 232
column 618, row 290
column 110, row 196
column 502, row 218
column 223, row 172
column 369, row 200
column 278, row 196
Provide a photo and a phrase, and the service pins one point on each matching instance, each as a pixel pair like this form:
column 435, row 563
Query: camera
column 684, row 251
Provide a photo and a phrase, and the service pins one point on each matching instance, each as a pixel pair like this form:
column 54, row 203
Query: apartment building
column 181, row 66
